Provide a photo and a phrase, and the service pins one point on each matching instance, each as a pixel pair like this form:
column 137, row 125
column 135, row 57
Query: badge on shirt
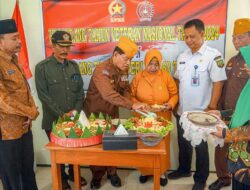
column 124, row 78
column 219, row 61
column 182, row 62
column 195, row 80
column 10, row 72
column 75, row 77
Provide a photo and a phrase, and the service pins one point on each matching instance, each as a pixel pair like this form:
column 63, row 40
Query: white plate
column 202, row 118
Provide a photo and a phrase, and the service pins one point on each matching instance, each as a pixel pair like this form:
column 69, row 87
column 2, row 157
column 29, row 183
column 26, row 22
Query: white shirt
column 208, row 66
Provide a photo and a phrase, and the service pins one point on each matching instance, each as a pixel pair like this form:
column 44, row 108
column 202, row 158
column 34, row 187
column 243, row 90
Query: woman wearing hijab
column 156, row 88
column 239, row 135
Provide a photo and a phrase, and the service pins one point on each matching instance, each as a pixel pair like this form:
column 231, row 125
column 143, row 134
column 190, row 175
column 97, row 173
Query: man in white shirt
column 200, row 72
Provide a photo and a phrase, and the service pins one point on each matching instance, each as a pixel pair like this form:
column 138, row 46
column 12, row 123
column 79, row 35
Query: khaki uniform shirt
column 17, row 104
column 108, row 89
column 59, row 88
column 234, row 84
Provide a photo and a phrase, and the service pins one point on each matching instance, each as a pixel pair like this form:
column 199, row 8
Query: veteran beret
column 127, row 46
column 241, row 26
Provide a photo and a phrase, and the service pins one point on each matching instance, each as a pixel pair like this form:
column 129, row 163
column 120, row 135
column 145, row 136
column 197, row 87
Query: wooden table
column 144, row 156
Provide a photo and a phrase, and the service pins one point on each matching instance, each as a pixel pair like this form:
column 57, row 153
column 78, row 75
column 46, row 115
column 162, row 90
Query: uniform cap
column 151, row 54
column 241, row 26
column 62, row 38
column 7, row 26
column 128, row 47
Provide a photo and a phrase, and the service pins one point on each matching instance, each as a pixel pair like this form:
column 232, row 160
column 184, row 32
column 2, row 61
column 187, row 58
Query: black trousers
column 185, row 156
column 17, row 162
column 236, row 185
column 63, row 173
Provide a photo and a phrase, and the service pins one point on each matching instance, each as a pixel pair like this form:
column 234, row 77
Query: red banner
column 96, row 26
column 23, row 54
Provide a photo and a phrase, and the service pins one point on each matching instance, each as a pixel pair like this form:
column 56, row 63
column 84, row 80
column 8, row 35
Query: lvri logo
column 145, row 11
column 117, row 9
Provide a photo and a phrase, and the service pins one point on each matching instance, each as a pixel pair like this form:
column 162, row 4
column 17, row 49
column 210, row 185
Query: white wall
column 32, row 19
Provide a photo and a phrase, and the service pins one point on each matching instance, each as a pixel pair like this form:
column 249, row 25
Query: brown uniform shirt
column 236, row 80
column 108, row 90
column 16, row 102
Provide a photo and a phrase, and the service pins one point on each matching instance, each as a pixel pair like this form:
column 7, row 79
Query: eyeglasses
column 125, row 58
column 240, row 37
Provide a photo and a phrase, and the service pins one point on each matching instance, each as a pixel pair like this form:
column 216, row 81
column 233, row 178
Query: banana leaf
column 76, row 118
column 66, row 118
column 108, row 127
column 62, row 134
column 108, row 118
column 101, row 116
column 86, row 133
column 99, row 131
column 72, row 134
column 60, row 120
column 92, row 117
column 54, row 128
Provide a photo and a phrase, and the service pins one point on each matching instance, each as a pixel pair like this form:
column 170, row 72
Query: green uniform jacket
column 59, row 87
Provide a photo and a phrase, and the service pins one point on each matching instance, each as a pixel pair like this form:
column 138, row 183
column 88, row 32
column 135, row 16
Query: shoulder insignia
column 105, row 72
column 219, row 61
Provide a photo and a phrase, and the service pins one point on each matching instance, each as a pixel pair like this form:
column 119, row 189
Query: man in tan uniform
column 17, row 110
column 237, row 78
column 108, row 90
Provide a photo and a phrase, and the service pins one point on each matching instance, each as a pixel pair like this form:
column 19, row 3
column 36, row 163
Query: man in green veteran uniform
column 108, row 90
column 237, row 79
column 17, row 110
column 60, row 88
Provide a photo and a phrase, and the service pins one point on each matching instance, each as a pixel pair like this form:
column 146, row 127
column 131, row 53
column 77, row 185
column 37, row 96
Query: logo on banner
column 117, row 9
column 145, row 11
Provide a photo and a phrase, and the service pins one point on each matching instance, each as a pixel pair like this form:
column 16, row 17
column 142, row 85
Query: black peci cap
column 7, row 26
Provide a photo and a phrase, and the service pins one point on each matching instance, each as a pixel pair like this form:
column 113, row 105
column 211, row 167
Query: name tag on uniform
column 182, row 62
column 75, row 77
column 195, row 81
column 10, row 72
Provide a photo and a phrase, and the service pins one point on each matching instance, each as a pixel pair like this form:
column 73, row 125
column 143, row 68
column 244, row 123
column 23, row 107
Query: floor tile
column 129, row 177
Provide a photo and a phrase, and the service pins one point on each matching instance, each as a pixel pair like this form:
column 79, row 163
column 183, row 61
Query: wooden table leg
column 77, row 181
column 157, row 173
column 56, row 172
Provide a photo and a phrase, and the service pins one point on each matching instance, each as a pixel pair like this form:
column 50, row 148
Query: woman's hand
column 246, row 68
column 139, row 106
column 168, row 107
column 215, row 112
column 27, row 123
column 71, row 113
column 218, row 133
